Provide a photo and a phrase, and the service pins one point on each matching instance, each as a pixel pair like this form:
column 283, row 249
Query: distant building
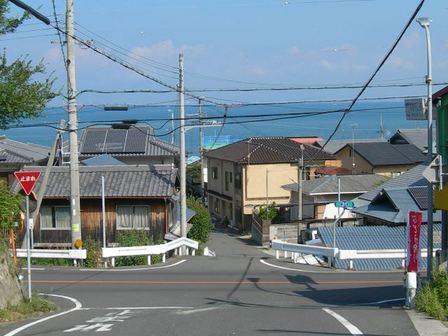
column 251, row 173
column 414, row 136
column 136, row 145
column 14, row 155
column 379, row 158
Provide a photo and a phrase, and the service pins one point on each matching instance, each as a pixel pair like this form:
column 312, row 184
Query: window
column 215, row 173
column 55, row 217
column 228, row 178
column 238, row 181
column 132, row 217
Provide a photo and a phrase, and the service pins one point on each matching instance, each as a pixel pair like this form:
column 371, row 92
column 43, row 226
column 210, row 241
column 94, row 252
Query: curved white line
column 290, row 269
column 131, row 269
column 350, row 327
column 78, row 306
column 333, row 271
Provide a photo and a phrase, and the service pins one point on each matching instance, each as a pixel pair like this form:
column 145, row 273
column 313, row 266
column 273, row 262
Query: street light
column 425, row 22
column 353, row 148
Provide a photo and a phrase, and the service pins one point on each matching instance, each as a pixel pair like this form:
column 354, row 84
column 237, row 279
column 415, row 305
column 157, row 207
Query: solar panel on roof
column 136, row 140
column 115, row 141
column 420, row 196
column 94, row 140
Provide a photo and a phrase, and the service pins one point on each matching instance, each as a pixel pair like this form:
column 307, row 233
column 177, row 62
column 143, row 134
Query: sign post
column 28, row 180
column 413, row 254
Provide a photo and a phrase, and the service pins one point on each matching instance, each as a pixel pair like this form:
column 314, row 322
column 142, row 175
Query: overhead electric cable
column 400, row 36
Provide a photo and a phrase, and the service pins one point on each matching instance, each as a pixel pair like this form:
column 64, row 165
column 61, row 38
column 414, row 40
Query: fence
column 148, row 251
column 57, row 254
column 350, row 255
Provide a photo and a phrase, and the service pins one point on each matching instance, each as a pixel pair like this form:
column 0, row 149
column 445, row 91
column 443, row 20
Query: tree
column 9, row 209
column 21, row 94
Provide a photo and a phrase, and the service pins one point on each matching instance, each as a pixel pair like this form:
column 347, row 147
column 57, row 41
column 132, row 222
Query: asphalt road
column 234, row 293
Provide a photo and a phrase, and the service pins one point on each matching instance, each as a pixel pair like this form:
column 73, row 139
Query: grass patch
column 432, row 298
column 29, row 308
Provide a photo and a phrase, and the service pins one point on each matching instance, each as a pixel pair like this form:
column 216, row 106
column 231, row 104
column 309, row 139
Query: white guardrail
column 349, row 255
column 279, row 245
column 58, row 254
column 148, row 251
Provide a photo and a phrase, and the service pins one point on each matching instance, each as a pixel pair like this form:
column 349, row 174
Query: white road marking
column 350, row 327
column 102, row 323
column 199, row 310
column 290, row 269
column 78, row 306
column 130, row 269
column 333, row 271
column 144, row 308
column 384, row 301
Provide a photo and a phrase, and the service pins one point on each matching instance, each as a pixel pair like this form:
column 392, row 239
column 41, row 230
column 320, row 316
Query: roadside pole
column 28, row 243
column 182, row 164
column 103, row 212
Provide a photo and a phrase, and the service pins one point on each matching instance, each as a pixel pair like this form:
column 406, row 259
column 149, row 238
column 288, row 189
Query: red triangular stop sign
column 27, row 180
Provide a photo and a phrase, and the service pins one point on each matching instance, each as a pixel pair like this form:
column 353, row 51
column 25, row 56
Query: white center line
column 350, row 327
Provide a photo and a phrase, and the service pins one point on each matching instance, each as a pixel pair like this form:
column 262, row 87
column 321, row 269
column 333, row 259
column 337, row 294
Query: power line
column 400, row 36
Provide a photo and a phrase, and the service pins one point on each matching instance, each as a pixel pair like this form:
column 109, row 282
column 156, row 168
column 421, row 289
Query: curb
column 427, row 326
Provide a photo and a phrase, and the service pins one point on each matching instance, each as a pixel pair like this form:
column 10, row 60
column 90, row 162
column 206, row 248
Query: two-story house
column 379, row 158
column 251, row 172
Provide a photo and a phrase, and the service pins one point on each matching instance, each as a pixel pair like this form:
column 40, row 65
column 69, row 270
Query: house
column 379, row 158
column 14, row 155
column 390, row 203
column 334, row 146
column 136, row 145
column 137, row 197
column 413, row 136
column 251, row 172
column 320, row 194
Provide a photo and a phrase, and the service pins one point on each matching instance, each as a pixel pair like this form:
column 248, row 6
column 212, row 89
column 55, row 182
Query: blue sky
column 240, row 44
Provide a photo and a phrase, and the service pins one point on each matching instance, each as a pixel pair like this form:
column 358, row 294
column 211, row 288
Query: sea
column 367, row 120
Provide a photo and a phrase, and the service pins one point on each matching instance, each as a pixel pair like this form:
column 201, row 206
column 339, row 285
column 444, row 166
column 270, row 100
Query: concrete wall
column 286, row 232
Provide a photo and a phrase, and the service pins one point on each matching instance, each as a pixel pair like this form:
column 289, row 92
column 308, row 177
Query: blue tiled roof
column 374, row 238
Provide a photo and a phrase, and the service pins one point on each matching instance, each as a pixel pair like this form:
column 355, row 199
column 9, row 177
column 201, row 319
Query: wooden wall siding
column 91, row 220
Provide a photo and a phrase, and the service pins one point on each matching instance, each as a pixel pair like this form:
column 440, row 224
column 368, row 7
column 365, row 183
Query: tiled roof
column 374, row 237
column 349, row 184
column 120, row 181
column 413, row 177
column 334, row 146
column 18, row 152
column 102, row 160
column 327, row 170
column 384, row 153
column 136, row 141
column 267, row 150
column 414, row 136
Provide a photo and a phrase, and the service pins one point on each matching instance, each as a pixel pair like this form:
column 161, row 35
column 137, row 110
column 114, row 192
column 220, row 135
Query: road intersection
column 241, row 291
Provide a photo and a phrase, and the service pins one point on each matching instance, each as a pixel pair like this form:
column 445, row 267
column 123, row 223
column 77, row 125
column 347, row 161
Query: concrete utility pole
column 425, row 23
column 75, row 211
column 300, row 178
column 183, row 175
column 201, row 156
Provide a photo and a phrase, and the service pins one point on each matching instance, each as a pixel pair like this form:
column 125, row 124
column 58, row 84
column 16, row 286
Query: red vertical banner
column 414, row 226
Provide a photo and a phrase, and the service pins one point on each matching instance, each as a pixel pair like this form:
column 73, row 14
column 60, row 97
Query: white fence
column 294, row 249
column 350, row 255
column 176, row 245
column 57, row 254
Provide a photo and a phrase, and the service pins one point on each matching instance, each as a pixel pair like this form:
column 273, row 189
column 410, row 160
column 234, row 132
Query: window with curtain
column 55, row 217
column 132, row 217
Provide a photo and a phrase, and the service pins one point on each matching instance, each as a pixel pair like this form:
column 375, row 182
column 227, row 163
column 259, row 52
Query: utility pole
column 183, row 175
column 201, row 156
column 75, row 211
column 300, row 178
column 425, row 23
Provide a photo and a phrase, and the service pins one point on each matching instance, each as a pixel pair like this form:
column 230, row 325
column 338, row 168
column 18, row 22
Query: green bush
column 133, row 238
column 51, row 262
column 268, row 212
column 201, row 222
column 432, row 298
column 94, row 255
